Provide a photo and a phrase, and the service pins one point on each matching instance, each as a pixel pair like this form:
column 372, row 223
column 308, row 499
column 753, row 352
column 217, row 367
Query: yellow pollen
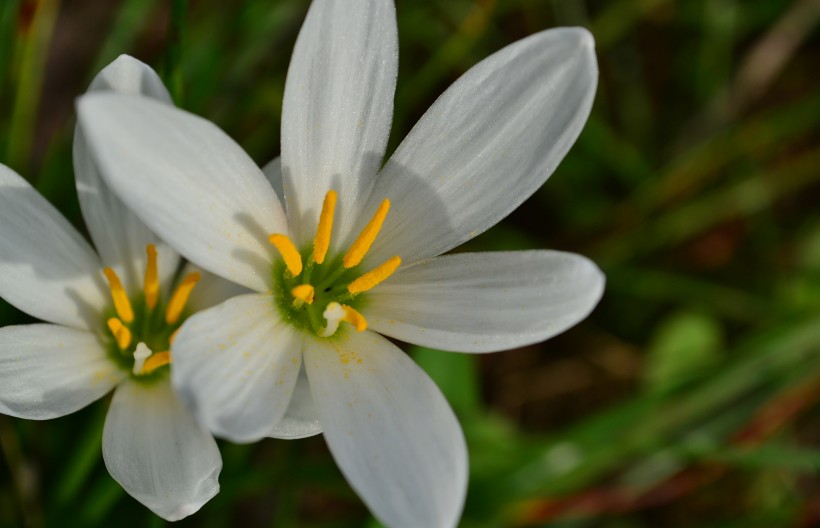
column 121, row 333
column 374, row 276
column 151, row 284
column 121, row 303
column 322, row 241
column 155, row 361
column 366, row 238
column 355, row 318
column 293, row 260
column 302, row 294
column 180, row 297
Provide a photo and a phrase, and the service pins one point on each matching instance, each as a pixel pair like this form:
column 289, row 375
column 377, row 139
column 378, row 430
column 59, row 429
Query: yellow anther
column 173, row 336
column 293, row 260
column 121, row 303
column 180, row 297
column 121, row 333
column 151, row 284
column 366, row 238
column 302, row 294
column 355, row 318
column 322, row 241
column 155, row 361
column 374, row 276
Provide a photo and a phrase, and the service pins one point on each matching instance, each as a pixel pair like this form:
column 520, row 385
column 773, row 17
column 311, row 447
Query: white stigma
column 142, row 353
column 333, row 314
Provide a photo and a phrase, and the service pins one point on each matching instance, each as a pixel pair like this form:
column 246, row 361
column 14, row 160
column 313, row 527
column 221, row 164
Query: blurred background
column 688, row 398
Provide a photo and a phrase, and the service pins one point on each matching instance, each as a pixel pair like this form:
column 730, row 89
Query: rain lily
column 354, row 251
column 109, row 322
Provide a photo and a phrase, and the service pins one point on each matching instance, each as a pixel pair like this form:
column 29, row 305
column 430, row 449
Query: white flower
column 358, row 246
column 105, row 335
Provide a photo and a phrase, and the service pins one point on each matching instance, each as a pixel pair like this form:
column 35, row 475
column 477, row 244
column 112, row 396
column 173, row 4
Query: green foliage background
column 688, row 398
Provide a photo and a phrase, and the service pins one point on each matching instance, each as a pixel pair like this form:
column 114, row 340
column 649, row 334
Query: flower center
column 319, row 295
column 142, row 328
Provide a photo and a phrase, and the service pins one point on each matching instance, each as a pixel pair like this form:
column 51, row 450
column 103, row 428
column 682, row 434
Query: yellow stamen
column 355, row 318
column 151, row 284
column 180, row 297
column 366, row 238
column 374, row 276
column 303, row 293
column 173, row 336
column 293, row 260
column 121, row 333
column 121, row 303
column 155, row 361
column 322, row 241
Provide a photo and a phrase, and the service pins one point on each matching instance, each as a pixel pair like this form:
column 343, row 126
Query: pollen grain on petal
column 293, row 260
column 121, row 303
column 180, row 297
column 361, row 246
column 375, row 276
column 151, row 283
column 322, row 241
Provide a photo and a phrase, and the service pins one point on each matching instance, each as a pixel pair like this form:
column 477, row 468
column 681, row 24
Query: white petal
column 486, row 144
column 157, row 452
column 484, row 302
column 119, row 236
column 273, row 172
column 130, row 76
column 236, row 365
column 48, row 371
column 301, row 419
column 390, row 430
column 337, row 109
column 188, row 181
column 46, row 268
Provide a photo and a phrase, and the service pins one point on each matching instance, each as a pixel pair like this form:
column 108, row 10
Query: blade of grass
column 664, row 287
column 761, row 136
column 86, row 455
column 34, row 37
column 732, row 201
column 132, row 17
column 172, row 70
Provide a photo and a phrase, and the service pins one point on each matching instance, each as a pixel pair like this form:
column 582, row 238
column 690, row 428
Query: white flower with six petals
column 359, row 243
column 102, row 336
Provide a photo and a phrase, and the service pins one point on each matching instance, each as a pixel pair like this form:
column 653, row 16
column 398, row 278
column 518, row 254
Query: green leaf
column 685, row 347
column 455, row 374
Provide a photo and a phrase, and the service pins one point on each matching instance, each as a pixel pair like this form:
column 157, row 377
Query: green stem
column 308, row 271
column 315, row 320
column 330, row 279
